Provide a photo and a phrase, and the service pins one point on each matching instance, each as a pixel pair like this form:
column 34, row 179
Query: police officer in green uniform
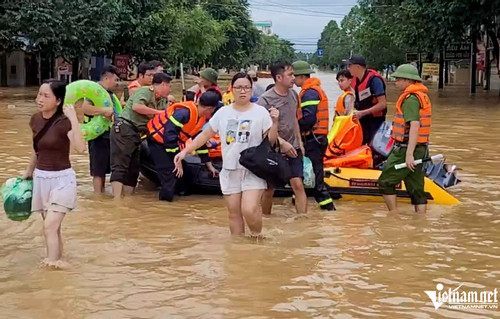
column 411, row 131
column 128, row 129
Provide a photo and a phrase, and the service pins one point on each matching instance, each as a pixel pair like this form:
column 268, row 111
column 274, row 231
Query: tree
column 66, row 28
column 240, row 34
column 371, row 36
column 383, row 30
column 335, row 44
column 303, row 56
column 271, row 49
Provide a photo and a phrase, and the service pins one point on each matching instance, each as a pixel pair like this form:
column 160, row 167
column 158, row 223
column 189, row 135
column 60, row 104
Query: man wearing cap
column 411, row 130
column 313, row 123
column 369, row 88
column 208, row 82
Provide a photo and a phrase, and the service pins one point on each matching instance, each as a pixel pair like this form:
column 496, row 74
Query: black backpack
column 266, row 163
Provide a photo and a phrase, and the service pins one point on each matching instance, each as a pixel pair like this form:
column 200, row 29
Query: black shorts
column 296, row 164
column 99, row 154
column 125, row 153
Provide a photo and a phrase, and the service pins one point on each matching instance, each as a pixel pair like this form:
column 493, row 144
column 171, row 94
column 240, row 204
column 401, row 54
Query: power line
column 270, row 3
column 297, row 13
column 292, row 11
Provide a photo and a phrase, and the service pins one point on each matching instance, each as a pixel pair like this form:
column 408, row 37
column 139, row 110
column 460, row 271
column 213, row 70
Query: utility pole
column 446, row 71
column 473, row 63
column 441, row 69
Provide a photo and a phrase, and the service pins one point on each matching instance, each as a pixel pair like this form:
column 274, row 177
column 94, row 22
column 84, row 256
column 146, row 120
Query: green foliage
column 63, row 27
column 384, row 30
column 335, row 44
column 240, row 35
column 271, row 49
column 216, row 32
column 303, row 56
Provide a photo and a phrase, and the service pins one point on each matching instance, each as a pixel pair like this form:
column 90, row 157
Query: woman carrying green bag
column 55, row 128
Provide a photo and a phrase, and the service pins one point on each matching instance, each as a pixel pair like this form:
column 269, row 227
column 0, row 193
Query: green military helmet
column 210, row 75
column 302, row 67
column 407, row 71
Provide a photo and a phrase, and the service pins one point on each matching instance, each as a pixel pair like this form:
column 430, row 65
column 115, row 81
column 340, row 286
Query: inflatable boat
column 343, row 183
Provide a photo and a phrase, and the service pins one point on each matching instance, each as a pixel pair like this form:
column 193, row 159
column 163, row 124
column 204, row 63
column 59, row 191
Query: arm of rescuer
column 171, row 136
column 377, row 89
column 88, row 108
column 173, row 128
column 200, row 140
column 140, row 105
column 411, row 114
column 309, row 107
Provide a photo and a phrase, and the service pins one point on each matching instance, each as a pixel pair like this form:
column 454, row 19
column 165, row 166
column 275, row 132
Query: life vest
column 127, row 90
column 400, row 129
column 133, row 85
column 156, row 126
column 349, row 137
column 215, row 151
column 360, row 157
column 340, row 107
column 364, row 97
column 212, row 88
column 322, row 116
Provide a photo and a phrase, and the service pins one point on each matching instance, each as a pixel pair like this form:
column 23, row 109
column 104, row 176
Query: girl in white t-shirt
column 240, row 125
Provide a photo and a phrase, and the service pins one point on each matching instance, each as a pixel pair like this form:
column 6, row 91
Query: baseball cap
column 356, row 59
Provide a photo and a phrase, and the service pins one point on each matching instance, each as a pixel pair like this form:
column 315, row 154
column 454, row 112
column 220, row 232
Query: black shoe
column 328, row 207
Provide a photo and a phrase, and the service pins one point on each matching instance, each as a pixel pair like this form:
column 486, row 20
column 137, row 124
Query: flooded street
column 148, row 259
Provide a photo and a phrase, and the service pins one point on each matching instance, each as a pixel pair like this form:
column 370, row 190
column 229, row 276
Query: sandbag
column 358, row 158
column 16, row 196
column 347, row 136
column 309, row 178
column 266, row 163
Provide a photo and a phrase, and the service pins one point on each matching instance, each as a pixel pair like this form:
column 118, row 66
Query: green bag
column 16, row 196
column 308, row 172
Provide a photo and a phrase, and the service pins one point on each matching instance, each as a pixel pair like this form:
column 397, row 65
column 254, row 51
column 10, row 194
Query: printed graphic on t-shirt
column 244, row 131
column 238, row 131
column 232, row 128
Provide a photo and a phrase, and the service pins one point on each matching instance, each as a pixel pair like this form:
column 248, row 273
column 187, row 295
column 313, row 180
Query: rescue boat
column 343, row 183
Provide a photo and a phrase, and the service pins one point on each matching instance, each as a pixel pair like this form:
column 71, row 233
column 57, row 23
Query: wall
column 16, row 69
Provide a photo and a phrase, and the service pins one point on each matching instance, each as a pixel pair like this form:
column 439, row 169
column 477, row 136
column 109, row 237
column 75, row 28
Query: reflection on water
column 146, row 259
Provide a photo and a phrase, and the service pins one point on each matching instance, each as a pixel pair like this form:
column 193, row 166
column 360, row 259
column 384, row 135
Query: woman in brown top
column 54, row 128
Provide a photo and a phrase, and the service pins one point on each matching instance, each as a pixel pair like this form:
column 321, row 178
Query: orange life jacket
column 365, row 99
column 360, row 157
column 340, row 107
column 133, row 85
column 156, row 126
column 322, row 116
column 349, row 138
column 215, row 152
column 400, row 129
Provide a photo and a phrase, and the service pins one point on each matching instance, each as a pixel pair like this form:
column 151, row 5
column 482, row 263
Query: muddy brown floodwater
column 148, row 259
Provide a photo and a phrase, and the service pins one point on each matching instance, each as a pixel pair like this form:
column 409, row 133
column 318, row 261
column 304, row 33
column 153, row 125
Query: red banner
column 121, row 62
